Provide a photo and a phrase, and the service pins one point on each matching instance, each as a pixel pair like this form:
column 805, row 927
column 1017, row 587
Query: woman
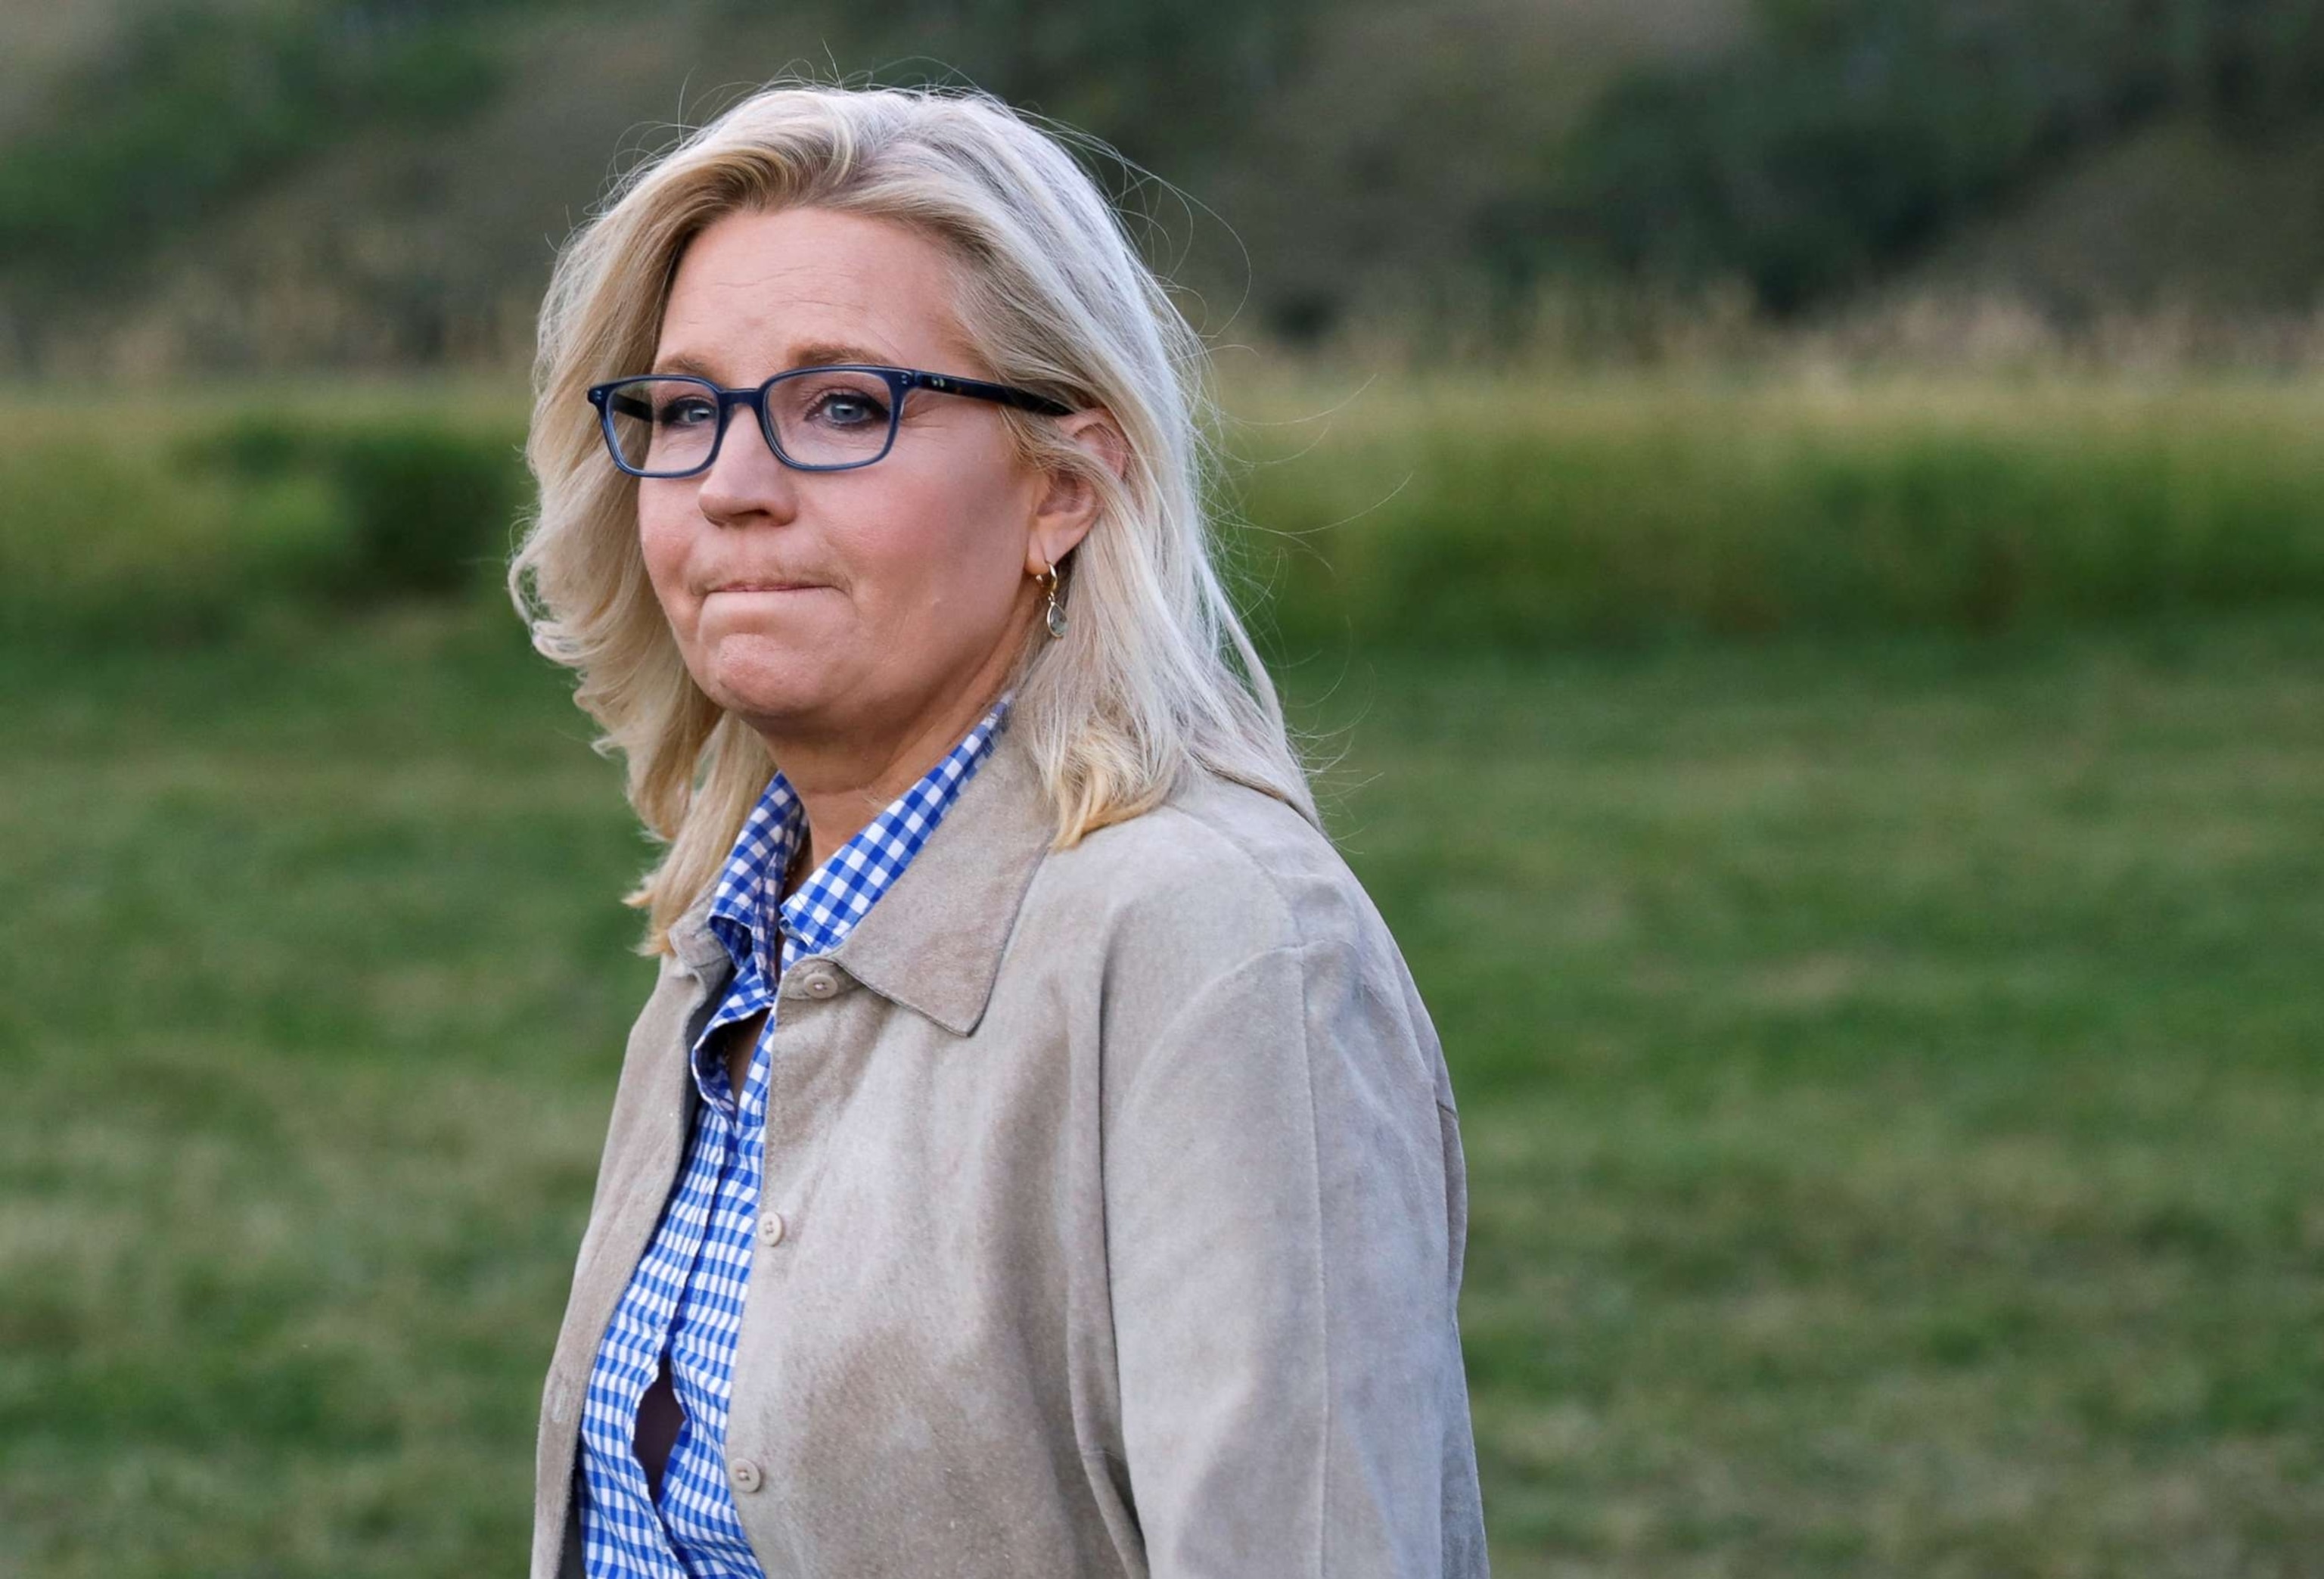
column 1034, row 1158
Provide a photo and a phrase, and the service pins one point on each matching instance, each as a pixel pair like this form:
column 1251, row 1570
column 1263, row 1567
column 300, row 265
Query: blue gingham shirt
column 685, row 1300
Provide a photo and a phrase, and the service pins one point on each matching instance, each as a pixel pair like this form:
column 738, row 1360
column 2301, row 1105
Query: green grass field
column 1892, row 1070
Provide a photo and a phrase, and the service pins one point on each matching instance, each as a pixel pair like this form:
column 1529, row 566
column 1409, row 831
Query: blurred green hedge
column 1521, row 520
column 195, row 538
column 1454, row 515
column 420, row 509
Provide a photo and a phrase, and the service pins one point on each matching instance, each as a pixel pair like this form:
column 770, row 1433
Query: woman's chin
column 769, row 679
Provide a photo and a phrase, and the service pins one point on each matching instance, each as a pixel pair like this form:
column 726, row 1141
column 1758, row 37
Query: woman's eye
column 846, row 409
column 686, row 412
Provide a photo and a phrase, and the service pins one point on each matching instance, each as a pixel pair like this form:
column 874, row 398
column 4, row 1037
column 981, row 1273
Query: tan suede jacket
column 1124, row 1213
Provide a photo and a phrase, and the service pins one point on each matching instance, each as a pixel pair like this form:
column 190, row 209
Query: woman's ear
column 1069, row 506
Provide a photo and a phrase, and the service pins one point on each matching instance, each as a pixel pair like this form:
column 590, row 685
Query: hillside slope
column 259, row 185
column 2176, row 217
column 1353, row 177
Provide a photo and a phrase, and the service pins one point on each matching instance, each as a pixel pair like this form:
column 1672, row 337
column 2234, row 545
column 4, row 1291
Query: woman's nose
column 746, row 479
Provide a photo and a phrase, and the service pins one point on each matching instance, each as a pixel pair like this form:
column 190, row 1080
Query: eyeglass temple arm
column 1023, row 399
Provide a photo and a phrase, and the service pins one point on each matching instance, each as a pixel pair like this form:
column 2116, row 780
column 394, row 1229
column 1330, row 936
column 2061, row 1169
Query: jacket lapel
column 933, row 943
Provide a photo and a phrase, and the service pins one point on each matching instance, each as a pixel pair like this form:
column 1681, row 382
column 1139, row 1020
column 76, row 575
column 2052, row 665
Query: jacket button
column 820, row 985
column 771, row 1228
column 746, row 1475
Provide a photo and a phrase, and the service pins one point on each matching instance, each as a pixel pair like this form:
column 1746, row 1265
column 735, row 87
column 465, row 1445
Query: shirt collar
column 841, row 891
column 935, row 946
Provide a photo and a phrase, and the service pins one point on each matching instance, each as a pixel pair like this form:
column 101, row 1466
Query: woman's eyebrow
column 814, row 354
column 824, row 353
column 682, row 363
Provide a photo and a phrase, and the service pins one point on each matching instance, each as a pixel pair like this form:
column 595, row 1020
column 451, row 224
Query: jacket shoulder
column 1219, row 869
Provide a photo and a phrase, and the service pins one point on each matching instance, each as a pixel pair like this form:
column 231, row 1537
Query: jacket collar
column 696, row 946
column 933, row 943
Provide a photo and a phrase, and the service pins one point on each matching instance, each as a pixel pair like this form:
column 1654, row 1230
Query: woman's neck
column 843, row 782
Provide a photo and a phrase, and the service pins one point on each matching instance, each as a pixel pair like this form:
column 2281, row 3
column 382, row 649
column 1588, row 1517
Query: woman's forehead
column 806, row 286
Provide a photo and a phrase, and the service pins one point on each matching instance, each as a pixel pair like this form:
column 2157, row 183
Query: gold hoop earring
column 1056, row 614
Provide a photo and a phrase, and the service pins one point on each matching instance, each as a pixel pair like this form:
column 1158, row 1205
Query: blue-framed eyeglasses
column 815, row 418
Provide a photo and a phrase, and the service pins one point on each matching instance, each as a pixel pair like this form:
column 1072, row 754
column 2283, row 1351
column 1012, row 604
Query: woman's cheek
column 665, row 562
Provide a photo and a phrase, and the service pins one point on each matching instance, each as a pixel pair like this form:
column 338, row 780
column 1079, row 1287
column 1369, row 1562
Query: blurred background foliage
column 1849, row 138
column 276, row 184
column 1795, row 530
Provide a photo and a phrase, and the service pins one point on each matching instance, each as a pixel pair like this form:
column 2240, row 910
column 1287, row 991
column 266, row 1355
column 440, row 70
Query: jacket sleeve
column 1284, row 1205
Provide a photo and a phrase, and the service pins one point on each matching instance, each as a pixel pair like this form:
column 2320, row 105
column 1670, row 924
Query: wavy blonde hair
column 1155, row 674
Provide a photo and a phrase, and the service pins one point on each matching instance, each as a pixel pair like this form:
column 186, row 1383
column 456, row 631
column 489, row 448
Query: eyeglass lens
column 667, row 427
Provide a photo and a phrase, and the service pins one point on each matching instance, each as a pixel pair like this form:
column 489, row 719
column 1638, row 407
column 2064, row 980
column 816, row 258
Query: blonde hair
column 1155, row 673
